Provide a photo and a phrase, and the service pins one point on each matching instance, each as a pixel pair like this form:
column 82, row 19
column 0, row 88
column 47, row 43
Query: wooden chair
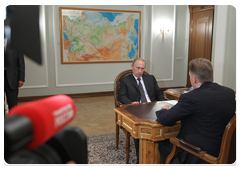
column 118, row 104
column 227, row 153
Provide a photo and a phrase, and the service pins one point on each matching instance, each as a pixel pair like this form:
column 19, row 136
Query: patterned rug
column 102, row 149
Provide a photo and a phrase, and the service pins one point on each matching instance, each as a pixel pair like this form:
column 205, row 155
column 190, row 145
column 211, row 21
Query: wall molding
column 34, row 87
column 42, row 25
column 151, row 40
column 80, row 95
column 143, row 17
column 84, row 84
column 55, row 46
column 219, row 39
column 173, row 44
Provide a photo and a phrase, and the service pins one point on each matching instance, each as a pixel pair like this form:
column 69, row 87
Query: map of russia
column 100, row 36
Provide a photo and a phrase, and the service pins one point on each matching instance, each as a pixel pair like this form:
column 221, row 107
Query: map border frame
column 100, row 10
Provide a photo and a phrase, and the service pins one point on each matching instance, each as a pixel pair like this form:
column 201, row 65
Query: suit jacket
column 15, row 69
column 204, row 114
column 129, row 90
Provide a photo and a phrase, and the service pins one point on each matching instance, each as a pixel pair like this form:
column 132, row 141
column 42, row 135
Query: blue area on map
column 110, row 15
column 111, row 47
column 136, row 48
column 70, row 48
column 131, row 54
column 136, row 22
column 72, row 44
column 133, row 37
column 65, row 35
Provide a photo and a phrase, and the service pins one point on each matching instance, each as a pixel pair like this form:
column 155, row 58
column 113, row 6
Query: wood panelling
column 200, row 33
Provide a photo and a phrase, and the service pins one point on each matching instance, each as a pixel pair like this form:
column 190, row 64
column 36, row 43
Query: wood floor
column 95, row 115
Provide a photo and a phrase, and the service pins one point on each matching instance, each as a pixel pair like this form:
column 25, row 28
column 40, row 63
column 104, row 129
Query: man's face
column 138, row 68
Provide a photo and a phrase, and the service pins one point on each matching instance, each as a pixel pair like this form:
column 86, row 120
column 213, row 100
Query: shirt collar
column 136, row 77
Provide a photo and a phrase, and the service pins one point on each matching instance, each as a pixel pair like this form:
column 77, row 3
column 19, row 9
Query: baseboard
column 81, row 95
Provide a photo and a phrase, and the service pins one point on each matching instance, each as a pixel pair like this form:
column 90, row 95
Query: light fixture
column 164, row 31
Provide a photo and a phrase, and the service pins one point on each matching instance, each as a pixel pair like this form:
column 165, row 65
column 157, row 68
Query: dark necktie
column 143, row 97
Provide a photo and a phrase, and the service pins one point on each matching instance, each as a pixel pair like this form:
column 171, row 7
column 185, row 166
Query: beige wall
column 224, row 46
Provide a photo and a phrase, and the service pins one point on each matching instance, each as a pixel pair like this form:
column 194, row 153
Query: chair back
column 117, row 84
column 227, row 153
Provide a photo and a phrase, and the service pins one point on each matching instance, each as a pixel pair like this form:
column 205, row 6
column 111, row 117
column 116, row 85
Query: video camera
column 67, row 145
column 35, row 133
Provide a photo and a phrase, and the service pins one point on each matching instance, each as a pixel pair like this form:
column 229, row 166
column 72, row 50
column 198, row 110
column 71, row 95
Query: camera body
column 69, row 144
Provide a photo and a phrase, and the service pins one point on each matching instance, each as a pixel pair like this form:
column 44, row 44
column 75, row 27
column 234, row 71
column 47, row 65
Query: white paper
column 173, row 102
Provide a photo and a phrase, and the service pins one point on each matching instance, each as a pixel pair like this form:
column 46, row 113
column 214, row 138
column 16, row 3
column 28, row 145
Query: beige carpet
column 102, row 149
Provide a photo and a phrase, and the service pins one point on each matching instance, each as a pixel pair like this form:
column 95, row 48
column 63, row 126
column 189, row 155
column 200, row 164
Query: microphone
column 47, row 116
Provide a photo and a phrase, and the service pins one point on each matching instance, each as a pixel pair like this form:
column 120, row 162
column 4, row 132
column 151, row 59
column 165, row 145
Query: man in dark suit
column 204, row 114
column 14, row 75
column 130, row 89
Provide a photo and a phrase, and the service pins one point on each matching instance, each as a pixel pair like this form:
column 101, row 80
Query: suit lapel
column 133, row 80
column 145, row 82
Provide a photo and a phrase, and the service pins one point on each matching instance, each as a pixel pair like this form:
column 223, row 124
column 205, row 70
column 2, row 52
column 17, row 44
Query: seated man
column 204, row 114
column 139, row 88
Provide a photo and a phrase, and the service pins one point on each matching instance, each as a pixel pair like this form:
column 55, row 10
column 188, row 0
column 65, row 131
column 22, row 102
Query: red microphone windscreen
column 48, row 116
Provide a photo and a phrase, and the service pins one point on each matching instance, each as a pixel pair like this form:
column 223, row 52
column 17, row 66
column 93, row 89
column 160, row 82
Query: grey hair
column 202, row 69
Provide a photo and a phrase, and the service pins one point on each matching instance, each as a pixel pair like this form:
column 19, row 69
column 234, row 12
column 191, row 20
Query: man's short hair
column 138, row 59
column 202, row 69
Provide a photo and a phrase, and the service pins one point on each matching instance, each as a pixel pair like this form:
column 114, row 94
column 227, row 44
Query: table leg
column 117, row 135
column 148, row 152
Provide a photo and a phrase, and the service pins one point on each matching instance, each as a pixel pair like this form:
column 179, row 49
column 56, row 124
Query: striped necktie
column 143, row 97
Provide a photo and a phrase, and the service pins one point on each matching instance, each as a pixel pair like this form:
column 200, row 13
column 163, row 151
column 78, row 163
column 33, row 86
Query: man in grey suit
column 14, row 75
column 130, row 89
column 204, row 113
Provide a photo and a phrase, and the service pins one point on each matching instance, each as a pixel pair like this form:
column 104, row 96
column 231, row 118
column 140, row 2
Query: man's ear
column 195, row 80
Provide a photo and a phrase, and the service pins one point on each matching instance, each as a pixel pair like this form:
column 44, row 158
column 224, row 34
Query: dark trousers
column 11, row 94
column 165, row 148
column 136, row 142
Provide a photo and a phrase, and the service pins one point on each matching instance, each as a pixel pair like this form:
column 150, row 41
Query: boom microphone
column 47, row 116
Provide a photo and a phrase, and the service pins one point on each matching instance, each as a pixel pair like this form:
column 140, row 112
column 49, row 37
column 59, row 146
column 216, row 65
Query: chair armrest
column 190, row 146
column 187, row 146
column 119, row 104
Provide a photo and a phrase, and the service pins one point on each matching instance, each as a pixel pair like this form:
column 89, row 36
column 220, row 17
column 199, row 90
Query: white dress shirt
column 144, row 88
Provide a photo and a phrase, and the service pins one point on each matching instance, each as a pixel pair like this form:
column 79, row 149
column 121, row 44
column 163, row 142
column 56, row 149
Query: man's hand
column 135, row 103
column 166, row 107
column 20, row 83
